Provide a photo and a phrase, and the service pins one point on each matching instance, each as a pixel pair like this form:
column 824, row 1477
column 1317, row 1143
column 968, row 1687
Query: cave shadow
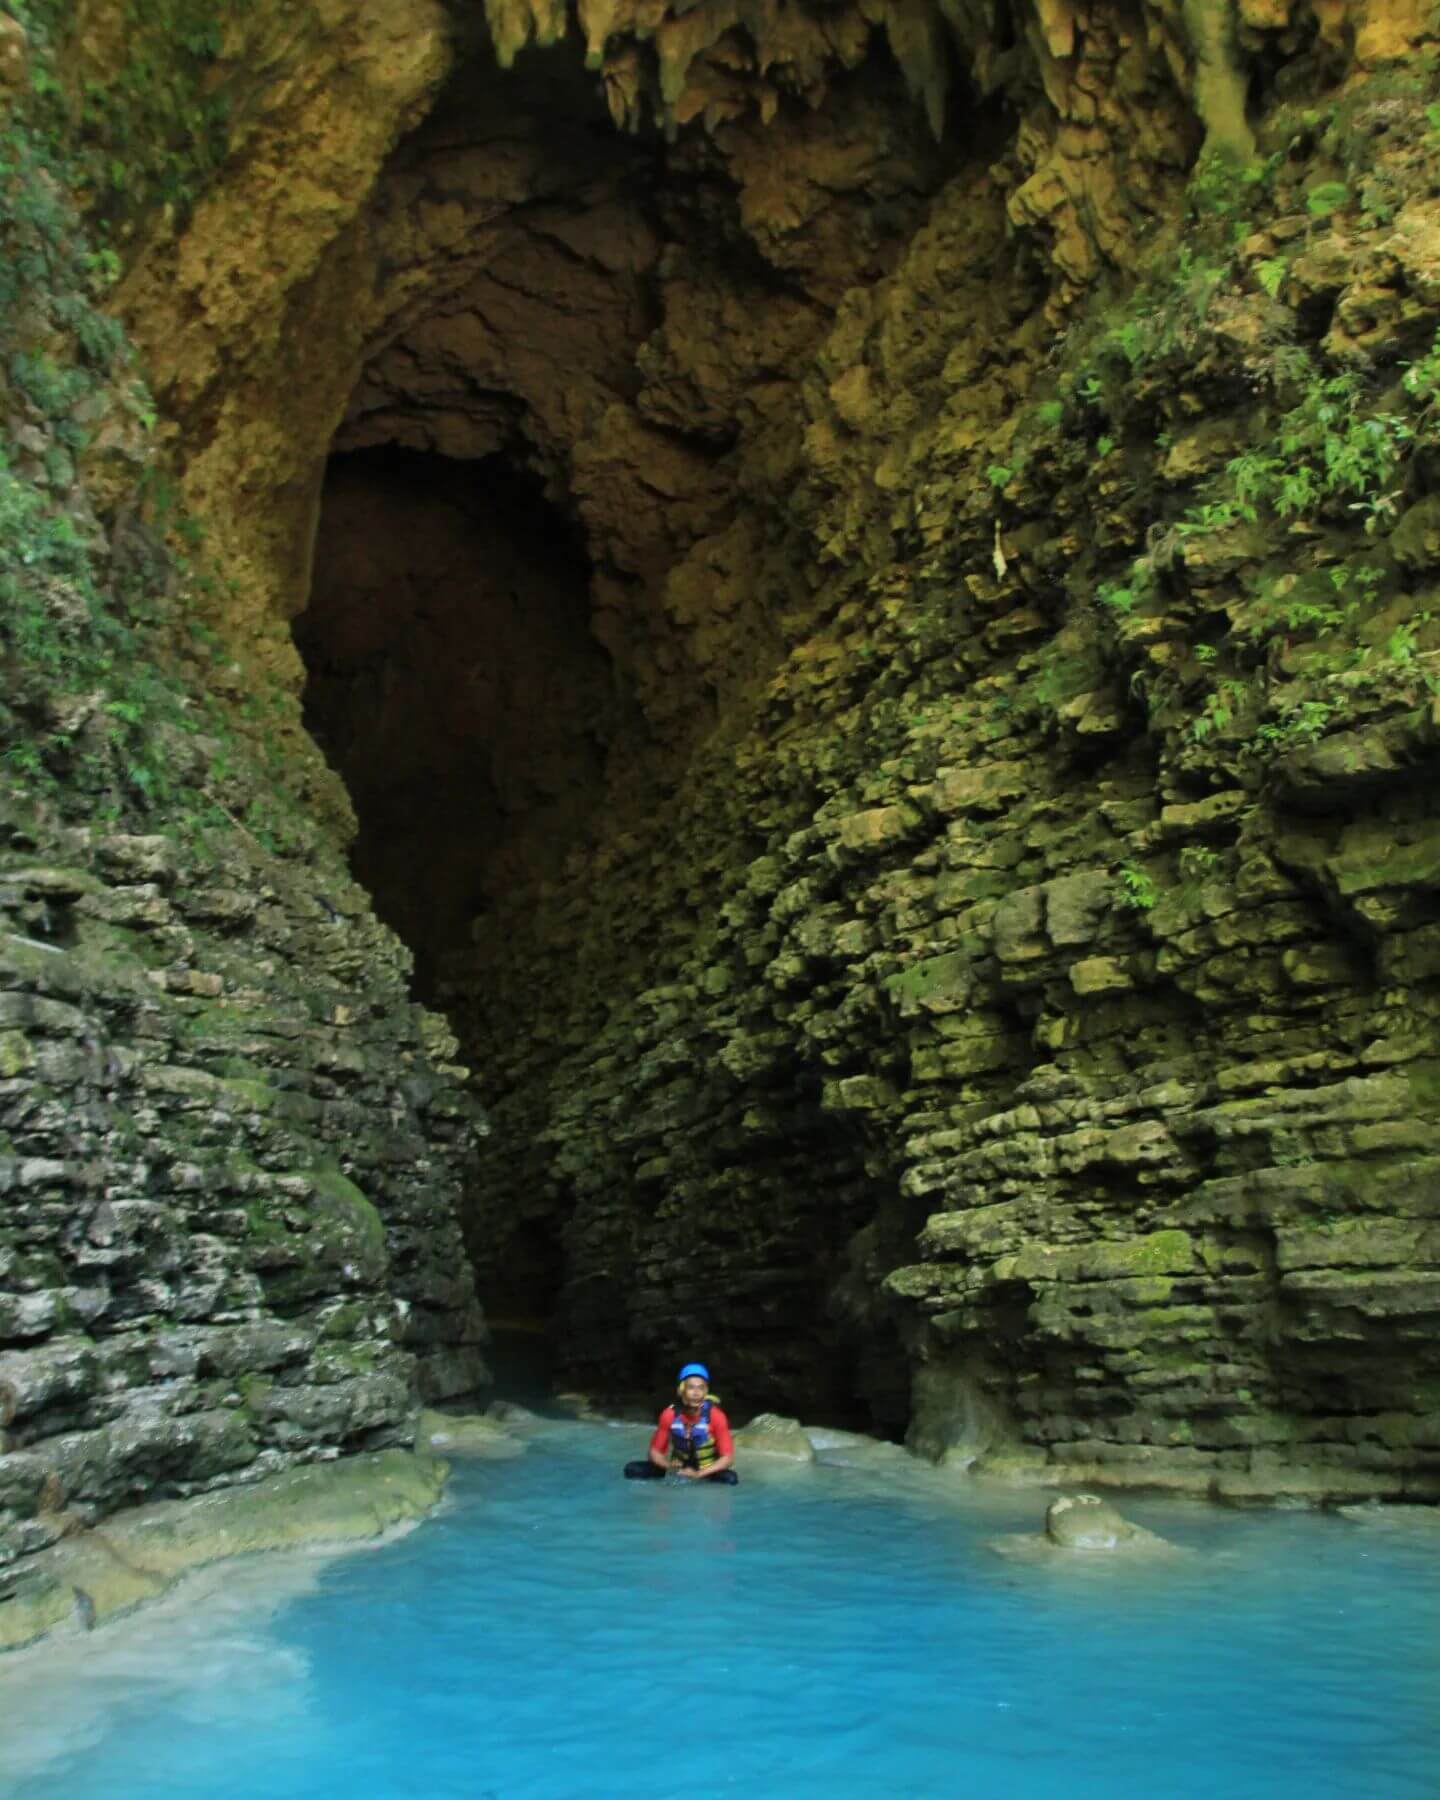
column 453, row 683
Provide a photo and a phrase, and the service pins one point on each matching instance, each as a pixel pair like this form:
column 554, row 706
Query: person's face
column 692, row 1392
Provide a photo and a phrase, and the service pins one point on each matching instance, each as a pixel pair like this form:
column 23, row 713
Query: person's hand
column 687, row 1474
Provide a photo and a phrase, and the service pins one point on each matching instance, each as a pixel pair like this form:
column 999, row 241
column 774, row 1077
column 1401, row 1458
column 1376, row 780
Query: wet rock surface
column 983, row 975
column 230, row 1150
column 140, row 1553
column 1083, row 1526
column 771, row 1434
column 1086, row 1522
column 467, row 1434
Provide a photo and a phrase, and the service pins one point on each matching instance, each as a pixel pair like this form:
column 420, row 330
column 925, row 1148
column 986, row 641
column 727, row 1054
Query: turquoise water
column 839, row 1631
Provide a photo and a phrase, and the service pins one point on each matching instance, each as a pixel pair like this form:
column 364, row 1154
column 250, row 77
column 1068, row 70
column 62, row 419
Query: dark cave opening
column 453, row 683
column 586, row 326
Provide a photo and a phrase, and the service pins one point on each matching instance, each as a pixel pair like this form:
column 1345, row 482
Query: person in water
column 692, row 1438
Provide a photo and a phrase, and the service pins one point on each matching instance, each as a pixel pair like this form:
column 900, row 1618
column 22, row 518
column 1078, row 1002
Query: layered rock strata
column 231, row 1145
column 994, row 920
column 991, row 985
column 202, row 1061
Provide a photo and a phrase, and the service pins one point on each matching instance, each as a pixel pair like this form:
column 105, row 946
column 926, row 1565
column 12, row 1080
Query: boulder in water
column 771, row 1434
column 1086, row 1522
column 1085, row 1525
column 466, row 1434
column 511, row 1414
column 583, row 1407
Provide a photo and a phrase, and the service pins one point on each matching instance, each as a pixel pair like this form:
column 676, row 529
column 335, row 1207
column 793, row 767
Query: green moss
column 931, row 979
column 340, row 1196
column 262, row 1226
column 253, row 1389
column 339, row 1362
column 1151, row 1291
column 1423, row 1077
column 1221, row 78
column 149, row 130
column 104, row 708
column 1162, row 1253
column 248, row 1095
column 343, row 1322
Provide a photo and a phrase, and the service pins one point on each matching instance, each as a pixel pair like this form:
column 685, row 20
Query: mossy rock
column 771, row 1434
column 1084, row 1525
column 466, row 1434
column 140, row 1554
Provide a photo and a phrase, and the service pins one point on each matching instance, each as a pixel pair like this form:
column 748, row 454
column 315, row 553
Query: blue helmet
column 693, row 1369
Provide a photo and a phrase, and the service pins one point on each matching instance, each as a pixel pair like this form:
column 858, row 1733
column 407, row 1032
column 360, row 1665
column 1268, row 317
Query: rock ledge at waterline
column 467, row 1435
column 140, row 1554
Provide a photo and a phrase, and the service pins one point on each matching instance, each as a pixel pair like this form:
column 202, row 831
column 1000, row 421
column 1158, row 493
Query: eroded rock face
column 953, row 971
column 949, row 926
column 199, row 1067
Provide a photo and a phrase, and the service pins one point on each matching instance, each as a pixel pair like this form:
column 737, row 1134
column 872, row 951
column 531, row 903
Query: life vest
column 692, row 1445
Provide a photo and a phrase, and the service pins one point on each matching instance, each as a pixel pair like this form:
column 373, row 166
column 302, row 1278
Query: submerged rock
column 511, row 1413
column 853, row 1446
column 1399, row 1517
column 1084, row 1524
column 466, row 1434
column 576, row 1406
column 771, row 1434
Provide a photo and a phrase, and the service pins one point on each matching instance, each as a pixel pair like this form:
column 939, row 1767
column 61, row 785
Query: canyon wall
column 231, row 1144
column 1037, row 998
column 1028, row 982
column 955, row 943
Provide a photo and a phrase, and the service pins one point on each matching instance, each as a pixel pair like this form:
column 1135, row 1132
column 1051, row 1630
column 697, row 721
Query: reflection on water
column 840, row 1631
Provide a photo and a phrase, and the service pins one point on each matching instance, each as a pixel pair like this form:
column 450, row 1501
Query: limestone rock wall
column 231, row 1145
column 993, row 988
column 1045, row 997
column 230, row 1155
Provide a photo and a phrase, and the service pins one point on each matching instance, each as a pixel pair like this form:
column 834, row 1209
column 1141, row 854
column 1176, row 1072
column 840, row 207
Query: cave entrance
column 453, row 682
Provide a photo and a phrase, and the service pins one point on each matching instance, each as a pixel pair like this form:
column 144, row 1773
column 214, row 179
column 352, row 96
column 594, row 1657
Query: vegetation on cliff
column 1004, row 940
column 230, row 1145
column 120, row 703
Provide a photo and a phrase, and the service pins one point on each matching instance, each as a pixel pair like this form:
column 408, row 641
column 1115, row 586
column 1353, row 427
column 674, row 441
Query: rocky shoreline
column 142, row 1552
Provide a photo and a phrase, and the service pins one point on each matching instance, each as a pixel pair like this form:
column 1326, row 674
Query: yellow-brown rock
column 866, row 577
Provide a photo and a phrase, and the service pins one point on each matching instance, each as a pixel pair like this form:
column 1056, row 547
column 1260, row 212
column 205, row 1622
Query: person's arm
column 660, row 1442
column 724, row 1443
